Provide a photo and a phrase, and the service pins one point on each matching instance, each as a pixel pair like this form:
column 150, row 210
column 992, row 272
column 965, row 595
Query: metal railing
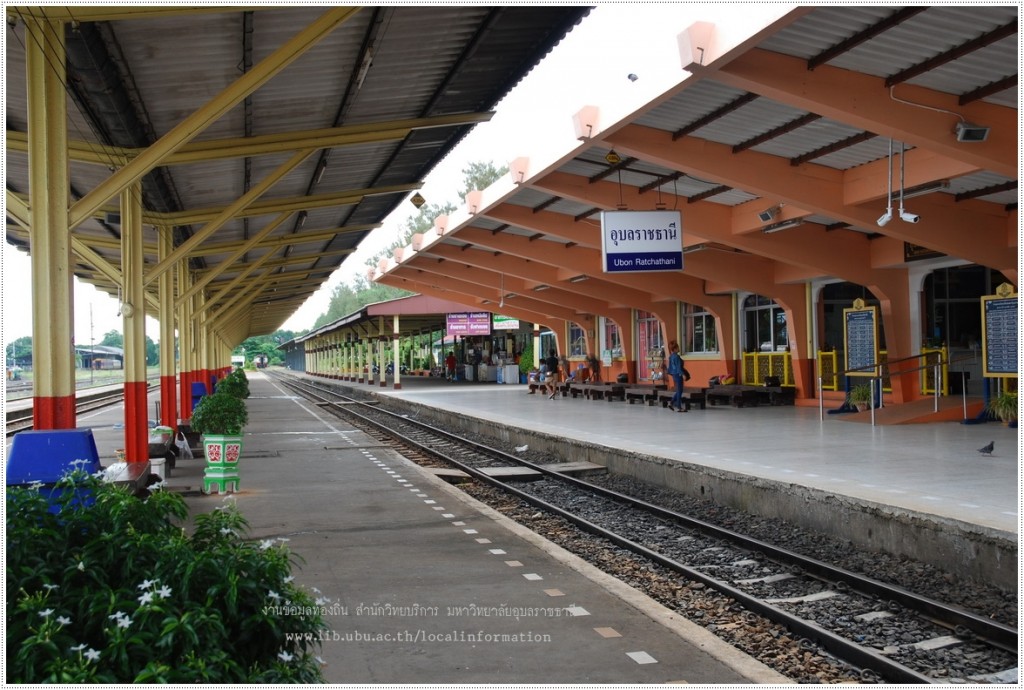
column 882, row 370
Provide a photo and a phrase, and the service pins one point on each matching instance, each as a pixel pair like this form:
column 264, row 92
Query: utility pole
column 92, row 352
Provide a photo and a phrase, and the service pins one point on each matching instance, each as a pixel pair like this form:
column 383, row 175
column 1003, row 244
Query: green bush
column 114, row 590
column 219, row 413
column 526, row 359
column 235, row 383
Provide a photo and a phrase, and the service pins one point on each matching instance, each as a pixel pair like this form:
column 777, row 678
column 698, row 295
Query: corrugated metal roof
column 382, row 64
column 707, row 109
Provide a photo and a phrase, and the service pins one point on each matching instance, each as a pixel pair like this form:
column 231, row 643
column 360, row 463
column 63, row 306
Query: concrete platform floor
column 427, row 586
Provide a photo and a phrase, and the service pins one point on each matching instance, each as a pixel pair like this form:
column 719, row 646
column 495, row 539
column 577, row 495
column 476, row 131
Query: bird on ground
column 987, row 450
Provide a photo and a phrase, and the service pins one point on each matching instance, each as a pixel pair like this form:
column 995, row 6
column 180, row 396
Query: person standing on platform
column 449, row 364
column 551, row 376
column 676, row 370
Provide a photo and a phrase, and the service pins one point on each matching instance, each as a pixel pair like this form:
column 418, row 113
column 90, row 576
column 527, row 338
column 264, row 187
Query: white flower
column 46, row 613
column 145, row 598
column 92, row 655
column 164, row 592
column 273, row 595
column 283, row 539
column 290, row 578
column 81, row 461
column 102, row 474
column 117, row 615
column 50, row 587
column 284, row 656
column 124, row 622
column 266, row 544
column 320, row 661
column 78, row 648
column 63, row 620
column 146, row 584
column 226, row 530
column 81, row 566
column 320, row 601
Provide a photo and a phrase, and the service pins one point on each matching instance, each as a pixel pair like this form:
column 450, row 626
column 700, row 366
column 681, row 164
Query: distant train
column 107, row 363
column 260, row 361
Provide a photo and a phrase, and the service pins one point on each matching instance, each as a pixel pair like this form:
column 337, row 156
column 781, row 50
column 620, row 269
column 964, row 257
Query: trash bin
column 45, row 456
column 198, row 391
column 622, row 378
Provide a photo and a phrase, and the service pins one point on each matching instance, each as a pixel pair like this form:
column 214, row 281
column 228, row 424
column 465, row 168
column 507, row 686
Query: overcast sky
column 590, row 67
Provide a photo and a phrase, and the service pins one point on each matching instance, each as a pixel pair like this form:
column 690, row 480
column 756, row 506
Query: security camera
column 632, row 77
column 884, row 218
column 909, row 217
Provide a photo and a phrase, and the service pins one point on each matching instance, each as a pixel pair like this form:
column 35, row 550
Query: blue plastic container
column 198, row 391
column 47, row 455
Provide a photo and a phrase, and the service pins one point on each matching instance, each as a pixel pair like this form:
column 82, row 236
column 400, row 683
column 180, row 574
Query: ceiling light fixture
column 784, row 225
column 578, row 279
column 923, row 189
column 541, row 287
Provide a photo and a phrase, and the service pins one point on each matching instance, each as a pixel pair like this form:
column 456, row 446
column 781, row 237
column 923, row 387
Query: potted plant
column 860, row 396
column 220, row 418
column 1004, row 407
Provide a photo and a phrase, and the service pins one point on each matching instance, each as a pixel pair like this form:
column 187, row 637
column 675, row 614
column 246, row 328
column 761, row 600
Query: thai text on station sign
column 638, row 241
column 468, row 323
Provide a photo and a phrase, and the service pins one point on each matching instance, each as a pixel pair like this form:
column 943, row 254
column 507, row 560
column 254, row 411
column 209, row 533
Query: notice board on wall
column 999, row 333
column 860, row 336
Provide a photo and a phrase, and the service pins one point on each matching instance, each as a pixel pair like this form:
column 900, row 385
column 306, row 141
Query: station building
column 845, row 186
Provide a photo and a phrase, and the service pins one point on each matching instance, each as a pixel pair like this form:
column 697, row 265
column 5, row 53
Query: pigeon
column 521, row 449
column 987, row 450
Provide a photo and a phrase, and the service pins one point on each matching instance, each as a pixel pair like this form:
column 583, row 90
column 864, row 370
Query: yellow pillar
column 53, row 356
column 168, row 391
column 133, row 314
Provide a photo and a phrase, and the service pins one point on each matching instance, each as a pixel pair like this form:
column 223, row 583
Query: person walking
column 676, row 370
column 450, row 364
column 551, row 376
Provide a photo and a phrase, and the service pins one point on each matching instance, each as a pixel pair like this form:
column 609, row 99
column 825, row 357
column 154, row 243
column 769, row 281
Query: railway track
column 875, row 631
column 21, row 419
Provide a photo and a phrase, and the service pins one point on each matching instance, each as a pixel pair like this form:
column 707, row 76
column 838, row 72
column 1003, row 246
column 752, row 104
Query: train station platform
column 919, row 490
column 425, row 584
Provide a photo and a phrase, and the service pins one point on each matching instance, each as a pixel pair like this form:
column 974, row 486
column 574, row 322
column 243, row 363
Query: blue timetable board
column 860, row 331
column 999, row 336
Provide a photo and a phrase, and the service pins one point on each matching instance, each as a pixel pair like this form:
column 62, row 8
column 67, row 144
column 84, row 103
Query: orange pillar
column 53, row 357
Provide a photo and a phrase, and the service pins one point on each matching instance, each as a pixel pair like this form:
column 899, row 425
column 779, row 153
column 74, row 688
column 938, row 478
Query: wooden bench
column 643, row 394
column 561, row 387
column 733, row 394
column 691, row 396
column 741, row 395
column 598, row 391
